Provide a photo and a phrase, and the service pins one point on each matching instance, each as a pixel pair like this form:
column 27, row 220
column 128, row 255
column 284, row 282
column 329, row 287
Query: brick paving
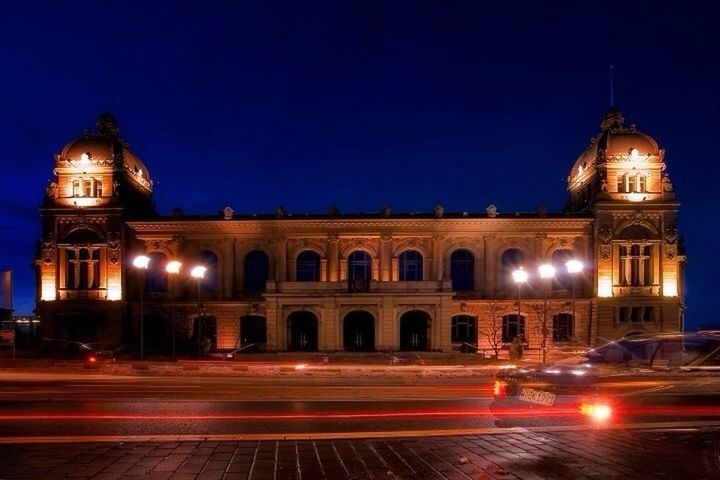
column 577, row 455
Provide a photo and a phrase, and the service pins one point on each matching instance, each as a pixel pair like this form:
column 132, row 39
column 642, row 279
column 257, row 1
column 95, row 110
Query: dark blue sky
column 306, row 104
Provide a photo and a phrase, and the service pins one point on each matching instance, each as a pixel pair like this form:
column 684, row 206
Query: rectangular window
column 98, row 188
column 621, row 184
column 76, row 188
column 88, row 188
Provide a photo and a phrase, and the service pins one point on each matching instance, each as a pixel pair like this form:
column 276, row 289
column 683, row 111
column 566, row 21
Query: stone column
column 332, row 258
column 281, row 264
column 385, row 258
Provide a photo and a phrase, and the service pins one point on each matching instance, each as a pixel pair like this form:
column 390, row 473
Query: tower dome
column 621, row 163
column 104, row 148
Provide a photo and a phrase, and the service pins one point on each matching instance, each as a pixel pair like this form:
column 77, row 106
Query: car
column 637, row 378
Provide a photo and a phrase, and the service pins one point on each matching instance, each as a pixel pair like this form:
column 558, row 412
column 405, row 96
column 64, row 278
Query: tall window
column 563, row 280
column 463, row 329
column 512, row 259
column 157, row 280
column 257, row 271
column 209, row 260
column 636, row 264
column 411, row 266
column 462, row 270
column 513, row 326
column 359, row 270
column 307, row 268
column 562, row 327
column 82, row 270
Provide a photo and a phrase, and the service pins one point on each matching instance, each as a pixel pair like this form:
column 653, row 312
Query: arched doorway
column 158, row 338
column 415, row 331
column 359, row 332
column 253, row 333
column 205, row 333
column 302, row 331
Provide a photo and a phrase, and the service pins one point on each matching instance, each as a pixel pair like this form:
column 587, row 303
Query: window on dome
column 87, row 188
column 632, row 183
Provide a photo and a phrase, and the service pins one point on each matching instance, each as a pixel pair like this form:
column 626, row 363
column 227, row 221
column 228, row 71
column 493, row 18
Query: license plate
column 537, row 396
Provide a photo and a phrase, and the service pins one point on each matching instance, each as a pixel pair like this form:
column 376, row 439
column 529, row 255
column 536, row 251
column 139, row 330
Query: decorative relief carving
column 670, row 234
column 47, row 249
column 491, row 211
column 670, row 252
column 228, row 213
column 604, row 252
column 667, row 185
column 605, row 233
column 113, row 245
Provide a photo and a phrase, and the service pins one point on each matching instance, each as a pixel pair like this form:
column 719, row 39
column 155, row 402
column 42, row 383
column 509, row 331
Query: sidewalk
column 528, row 456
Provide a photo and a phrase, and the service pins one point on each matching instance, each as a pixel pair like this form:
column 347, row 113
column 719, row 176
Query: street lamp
column 573, row 267
column 547, row 273
column 173, row 269
column 198, row 273
column 519, row 276
column 141, row 263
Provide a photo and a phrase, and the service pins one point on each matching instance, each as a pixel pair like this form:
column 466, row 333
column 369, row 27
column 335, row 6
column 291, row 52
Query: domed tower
column 98, row 183
column 621, row 179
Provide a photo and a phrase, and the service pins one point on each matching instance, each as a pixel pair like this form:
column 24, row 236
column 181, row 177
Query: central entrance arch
column 415, row 331
column 359, row 332
column 302, row 331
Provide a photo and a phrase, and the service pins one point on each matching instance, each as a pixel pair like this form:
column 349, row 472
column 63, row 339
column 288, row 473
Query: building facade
column 420, row 282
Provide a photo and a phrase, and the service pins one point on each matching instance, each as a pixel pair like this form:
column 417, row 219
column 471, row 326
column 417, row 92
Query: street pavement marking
column 352, row 435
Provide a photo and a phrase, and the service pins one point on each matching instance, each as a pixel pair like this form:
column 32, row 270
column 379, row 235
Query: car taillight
column 599, row 412
column 499, row 388
column 92, row 359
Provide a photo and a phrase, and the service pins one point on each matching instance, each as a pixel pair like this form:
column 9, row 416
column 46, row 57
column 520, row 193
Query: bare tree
column 492, row 330
column 545, row 326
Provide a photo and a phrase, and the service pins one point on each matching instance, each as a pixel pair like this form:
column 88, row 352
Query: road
column 84, row 406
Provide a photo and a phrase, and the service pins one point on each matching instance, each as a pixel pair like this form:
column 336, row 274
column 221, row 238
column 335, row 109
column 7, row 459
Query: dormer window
column 86, row 188
column 632, row 183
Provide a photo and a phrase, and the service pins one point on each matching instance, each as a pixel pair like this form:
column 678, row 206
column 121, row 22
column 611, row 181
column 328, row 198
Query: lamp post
column 198, row 273
column 141, row 262
column 547, row 272
column 519, row 276
column 573, row 268
column 173, row 269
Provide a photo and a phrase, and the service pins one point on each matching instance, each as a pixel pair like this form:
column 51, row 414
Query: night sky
column 358, row 104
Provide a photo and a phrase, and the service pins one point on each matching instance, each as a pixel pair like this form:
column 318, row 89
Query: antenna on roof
column 612, row 86
column 108, row 87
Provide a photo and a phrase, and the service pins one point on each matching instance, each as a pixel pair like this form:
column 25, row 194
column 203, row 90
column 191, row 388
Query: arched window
column 563, row 280
column 513, row 326
column 562, row 327
column 411, row 266
column 209, row 260
column 464, row 329
column 157, row 280
column 257, row 270
column 462, row 270
column 359, row 267
column 512, row 259
column 307, row 267
column 82, row 270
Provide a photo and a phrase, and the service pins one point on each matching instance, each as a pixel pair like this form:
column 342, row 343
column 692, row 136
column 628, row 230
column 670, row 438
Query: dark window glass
column 462, row 270
column 359, row 266
column 513, row 326
column 512, row 259
column 463, row 329
column 563, row 280
column 157, row 280
column 307, row 267
column 257, row 270
column 562, row 327
column 209, row 260
column 411, row 266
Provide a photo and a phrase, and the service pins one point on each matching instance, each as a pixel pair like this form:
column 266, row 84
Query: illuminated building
column 382, row 281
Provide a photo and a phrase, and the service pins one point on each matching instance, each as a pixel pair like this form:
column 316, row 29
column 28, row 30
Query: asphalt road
column 96, row 405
